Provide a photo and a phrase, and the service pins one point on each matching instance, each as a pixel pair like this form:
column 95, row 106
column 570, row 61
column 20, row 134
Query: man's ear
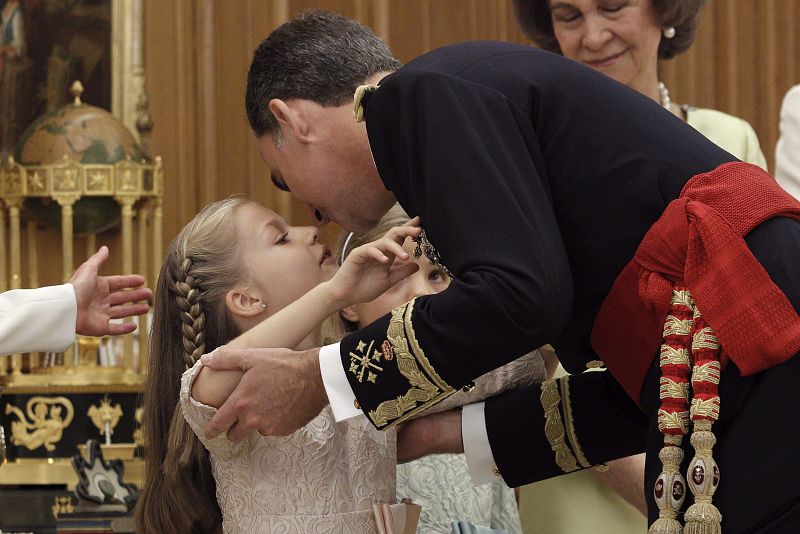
column 291, row 117
column 243, row 302
column 350, row 313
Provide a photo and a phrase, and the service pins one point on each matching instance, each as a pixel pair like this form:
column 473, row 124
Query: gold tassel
column 358, row 108
column 703, row 517
column 673, row 417
column 703, row 475
column 670, row 489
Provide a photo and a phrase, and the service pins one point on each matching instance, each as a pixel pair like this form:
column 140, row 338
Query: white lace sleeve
column 528, row 369
column 198, row 415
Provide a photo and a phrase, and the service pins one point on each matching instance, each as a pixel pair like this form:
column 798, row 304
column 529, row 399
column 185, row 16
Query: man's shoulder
column 455, row 58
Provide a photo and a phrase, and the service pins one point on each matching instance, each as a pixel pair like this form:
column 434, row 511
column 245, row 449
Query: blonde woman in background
column 441, row 483
column 623, row 39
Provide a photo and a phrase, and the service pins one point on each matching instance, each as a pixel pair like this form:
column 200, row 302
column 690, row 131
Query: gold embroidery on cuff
column 427, row 387
column 365, row 362
column 572, row 438
column 554, row 428
column 418, row 352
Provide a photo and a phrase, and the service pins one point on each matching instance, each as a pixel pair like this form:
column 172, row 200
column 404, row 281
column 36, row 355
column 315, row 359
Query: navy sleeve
column 467, row 160
column 564, row 425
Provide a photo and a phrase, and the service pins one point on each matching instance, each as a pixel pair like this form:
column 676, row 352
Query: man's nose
column 317, row 218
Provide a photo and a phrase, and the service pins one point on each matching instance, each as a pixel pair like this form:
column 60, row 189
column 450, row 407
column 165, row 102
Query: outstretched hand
column 102, row 298
column 371, row 269
column 280, row 391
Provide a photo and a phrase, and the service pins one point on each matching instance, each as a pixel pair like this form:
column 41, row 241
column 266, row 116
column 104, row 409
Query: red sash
column 699, row 240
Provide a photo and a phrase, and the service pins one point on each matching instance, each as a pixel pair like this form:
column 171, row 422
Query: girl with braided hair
column 233, row 266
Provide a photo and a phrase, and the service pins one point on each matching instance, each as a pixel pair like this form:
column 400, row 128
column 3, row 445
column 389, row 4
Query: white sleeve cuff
column 337, row 388
column 38, row 320
column 476, row 445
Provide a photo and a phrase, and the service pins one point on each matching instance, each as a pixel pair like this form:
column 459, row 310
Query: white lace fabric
column 324, row 478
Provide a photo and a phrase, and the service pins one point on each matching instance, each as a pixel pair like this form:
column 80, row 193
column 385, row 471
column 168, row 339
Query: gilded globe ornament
column 90, row 137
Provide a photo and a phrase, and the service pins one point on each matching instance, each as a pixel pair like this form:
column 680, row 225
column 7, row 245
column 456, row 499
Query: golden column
column 84, row 167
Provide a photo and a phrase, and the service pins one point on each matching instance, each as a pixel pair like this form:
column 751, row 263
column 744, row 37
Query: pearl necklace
column 665, row 101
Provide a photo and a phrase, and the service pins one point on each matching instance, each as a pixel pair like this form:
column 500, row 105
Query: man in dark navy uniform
column 536, row 180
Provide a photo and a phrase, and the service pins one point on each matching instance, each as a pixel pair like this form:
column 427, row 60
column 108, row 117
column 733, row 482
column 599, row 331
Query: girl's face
column 619, row 38
column 282, row 262
column 426, row 281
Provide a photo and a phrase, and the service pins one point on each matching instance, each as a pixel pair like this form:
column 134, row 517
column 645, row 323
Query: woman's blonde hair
column 190, row 318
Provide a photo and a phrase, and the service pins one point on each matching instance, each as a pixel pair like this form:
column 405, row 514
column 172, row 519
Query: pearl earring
column 668, row 32
column 263, row 306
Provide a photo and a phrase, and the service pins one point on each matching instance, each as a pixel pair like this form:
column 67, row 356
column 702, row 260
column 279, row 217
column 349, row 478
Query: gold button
column 496, row 471
column 356, row 404
column 468, row 387
column 595, row 364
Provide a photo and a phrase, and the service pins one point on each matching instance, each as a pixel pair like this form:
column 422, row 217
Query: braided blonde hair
column 188, row 299
column 190, row 318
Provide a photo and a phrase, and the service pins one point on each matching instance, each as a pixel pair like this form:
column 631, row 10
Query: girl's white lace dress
column 324, row 478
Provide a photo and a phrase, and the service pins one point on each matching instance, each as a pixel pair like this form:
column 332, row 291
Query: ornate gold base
column 76, row 380
column 60, row 471
column 121, row 451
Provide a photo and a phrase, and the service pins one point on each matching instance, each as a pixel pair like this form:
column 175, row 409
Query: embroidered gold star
column 365, row 362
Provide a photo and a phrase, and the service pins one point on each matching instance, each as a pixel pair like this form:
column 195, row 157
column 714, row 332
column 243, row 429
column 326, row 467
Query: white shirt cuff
column 38, row 320
column 340, row 394
column 480, row 461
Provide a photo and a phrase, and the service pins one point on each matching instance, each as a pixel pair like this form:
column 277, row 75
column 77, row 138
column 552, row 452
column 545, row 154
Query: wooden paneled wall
column 745, row 58
column 197, row 53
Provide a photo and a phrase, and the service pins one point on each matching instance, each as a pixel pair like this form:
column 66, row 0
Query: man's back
column 608, row 158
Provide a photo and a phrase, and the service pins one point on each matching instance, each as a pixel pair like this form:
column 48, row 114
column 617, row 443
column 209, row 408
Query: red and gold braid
column 703, row 474
column 705, row 373
column 673, row 416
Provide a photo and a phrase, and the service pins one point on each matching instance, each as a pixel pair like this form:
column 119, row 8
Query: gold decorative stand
column 71, row 158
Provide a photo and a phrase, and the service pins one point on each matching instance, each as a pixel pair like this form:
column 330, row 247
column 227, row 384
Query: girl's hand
column 371, row 269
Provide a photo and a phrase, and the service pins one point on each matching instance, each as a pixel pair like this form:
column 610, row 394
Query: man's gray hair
column 318, row 56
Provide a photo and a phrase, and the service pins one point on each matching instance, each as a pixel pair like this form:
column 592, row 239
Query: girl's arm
column 367, row 272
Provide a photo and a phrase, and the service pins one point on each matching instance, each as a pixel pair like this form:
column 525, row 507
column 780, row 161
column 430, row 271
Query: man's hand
column 280, row 391
column 433, row 434
column 102, row 298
